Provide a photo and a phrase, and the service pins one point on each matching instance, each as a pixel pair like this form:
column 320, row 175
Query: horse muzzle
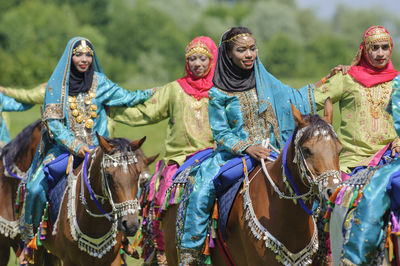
column 129, row 224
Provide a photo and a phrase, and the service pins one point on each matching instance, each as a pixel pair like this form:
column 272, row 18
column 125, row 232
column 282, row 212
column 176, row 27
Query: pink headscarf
column 198, row 87
column 361, row 68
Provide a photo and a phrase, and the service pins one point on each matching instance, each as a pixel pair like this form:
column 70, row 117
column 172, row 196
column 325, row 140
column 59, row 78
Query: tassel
column 327, row 215
column 181, row 193
column 172, row 197
column 347, row 197
column 207, row 260
column 207, row 246
column 389, row 242
column 136, row 241
column 354, row 196
column 212, row 245
column 32, row 244
column 38, row 242
column 358, row 198
column 326, row 227
column 395, row 223
column 215, row 212
column 166, row 200
column 177, row 194
column 69, row 164
column 157, row 184
column 332, row 198
column 339, row 198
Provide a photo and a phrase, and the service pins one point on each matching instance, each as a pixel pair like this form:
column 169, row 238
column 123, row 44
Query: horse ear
column 298, row 117
column 151, row 159
column 328, row 111
column 136, row 144
column 107, row 148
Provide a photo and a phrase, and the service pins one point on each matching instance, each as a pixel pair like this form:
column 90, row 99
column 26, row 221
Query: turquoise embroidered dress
column 63, row 132
column 239, row 120
column 8, row 104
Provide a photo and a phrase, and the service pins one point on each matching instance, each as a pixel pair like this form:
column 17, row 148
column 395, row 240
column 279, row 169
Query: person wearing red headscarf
column 184, row 103
column 366, row 129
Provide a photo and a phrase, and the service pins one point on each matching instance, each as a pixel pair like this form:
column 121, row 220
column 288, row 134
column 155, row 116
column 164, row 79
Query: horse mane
column 19, row 144
column 120, row 145
column 315, row 123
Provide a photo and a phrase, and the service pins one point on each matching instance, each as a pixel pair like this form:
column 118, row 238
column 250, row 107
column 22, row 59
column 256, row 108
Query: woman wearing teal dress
column 246, row 105
column 73, row 112
column 8, row 104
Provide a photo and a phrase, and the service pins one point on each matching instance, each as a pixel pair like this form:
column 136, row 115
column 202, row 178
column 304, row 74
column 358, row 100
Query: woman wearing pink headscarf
column 366, row 129
column 184, row 103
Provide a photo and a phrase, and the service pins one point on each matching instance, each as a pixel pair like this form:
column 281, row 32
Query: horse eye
column 306, row 152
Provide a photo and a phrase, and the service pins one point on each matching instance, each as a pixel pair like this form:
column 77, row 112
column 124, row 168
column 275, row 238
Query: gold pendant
column 196, row 105
column 72, row 99
column 89, row 123
column 93, row 107
column 75, row 112
column 88, row 101
column 92, row 94
column 73, row 105
column 79, row 118
column 93, row 114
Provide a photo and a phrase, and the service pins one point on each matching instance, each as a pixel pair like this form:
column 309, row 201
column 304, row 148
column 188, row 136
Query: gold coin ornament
column 78, row 114
column 79, row 118
column 75, row 112
column 89, row 123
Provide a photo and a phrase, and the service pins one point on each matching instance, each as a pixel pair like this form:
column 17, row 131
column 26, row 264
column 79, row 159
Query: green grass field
column 154, row 143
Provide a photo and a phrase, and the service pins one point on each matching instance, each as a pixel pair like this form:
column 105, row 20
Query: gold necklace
column 376, row 104
column 78, row 114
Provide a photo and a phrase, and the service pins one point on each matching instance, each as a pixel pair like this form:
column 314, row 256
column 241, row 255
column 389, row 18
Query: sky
column 326, row 8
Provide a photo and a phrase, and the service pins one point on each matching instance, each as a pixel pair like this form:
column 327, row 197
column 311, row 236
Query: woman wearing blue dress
column 73, row 112
column 246, row 105
column 8, row 104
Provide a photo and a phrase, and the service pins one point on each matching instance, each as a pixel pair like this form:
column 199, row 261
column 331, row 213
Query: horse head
column 123, row 166
column 316, row 150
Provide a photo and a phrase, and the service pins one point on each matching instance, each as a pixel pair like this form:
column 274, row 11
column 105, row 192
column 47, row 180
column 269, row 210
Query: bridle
column 97, row 247
column 308, row 179
column 118, row 209
column 282, row 254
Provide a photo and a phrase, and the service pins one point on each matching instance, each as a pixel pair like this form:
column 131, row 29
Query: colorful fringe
column 173, row 196
column 347, row 196
column 44, row 225
column 20, row 199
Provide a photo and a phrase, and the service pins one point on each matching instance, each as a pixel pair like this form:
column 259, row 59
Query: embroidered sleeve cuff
column 74, row 146
column 240, row 147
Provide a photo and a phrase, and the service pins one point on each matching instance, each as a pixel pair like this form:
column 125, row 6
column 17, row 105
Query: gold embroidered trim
column 53, row 111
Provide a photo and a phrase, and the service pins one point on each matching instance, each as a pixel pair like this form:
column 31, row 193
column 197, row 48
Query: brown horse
column 264, row 227
column 100, row 205
column 16, row 158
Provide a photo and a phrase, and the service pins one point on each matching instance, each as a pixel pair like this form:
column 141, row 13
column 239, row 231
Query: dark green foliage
column 141, row 42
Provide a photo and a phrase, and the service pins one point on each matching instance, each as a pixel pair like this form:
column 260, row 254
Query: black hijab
column 78, row 81
column 228, row 76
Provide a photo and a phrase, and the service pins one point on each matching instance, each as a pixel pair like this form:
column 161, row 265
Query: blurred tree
column 269, row 18
column 140, row 30
column 280, row 55
column 35, row 37
column 322, row 54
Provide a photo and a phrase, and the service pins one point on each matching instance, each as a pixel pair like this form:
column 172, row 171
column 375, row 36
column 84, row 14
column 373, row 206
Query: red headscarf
column 361, row 68
column 198, row 87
